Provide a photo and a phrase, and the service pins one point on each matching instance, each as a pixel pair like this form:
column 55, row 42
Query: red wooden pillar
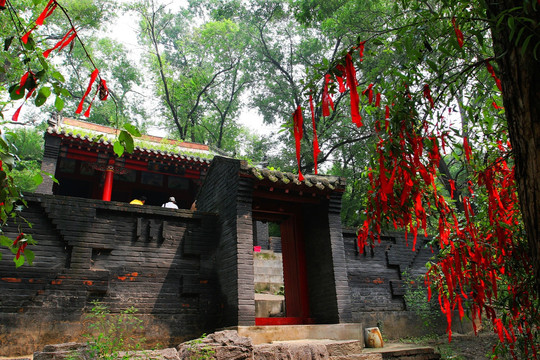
column 107, row 187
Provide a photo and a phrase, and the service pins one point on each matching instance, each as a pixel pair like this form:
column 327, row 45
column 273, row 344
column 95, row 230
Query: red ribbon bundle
column 351, row 83
column 492, row 72
column 68, row 38
column 327, row 101
column 28, row 76
column 49, row 9
column 21, row 247
column 427, row 95
column 361, row 51
column 81, row 104
column 369, row 92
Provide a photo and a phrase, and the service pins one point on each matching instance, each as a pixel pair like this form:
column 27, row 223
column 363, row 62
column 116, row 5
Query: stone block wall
column 229, row 195
column 161, row 261
column 377, row 285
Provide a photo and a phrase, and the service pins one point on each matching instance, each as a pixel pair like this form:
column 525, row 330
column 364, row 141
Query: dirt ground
column 462, row 347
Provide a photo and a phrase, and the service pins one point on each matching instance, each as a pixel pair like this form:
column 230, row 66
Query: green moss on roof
column 161, row 146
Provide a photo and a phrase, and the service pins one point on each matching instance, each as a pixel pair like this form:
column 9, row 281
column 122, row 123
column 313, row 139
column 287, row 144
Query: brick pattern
column 321, row 276
column 160, row 261
column 375, row 277
column 339, row 261
column 219, row 194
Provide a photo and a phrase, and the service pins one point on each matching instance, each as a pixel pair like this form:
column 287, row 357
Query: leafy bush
column 108, row 334
column 416, row 299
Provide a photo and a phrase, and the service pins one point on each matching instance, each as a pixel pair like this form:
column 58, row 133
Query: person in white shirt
column 171, row 203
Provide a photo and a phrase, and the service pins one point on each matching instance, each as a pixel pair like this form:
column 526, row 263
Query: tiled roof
column 102, row 129
column 320, row 182
column 91, row 141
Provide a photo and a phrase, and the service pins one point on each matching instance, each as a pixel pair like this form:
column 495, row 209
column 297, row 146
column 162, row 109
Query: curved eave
column 311, row 183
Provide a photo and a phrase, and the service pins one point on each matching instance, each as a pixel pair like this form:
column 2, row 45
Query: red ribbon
column 92, row 79
column 492, row 72
column 298, row 133
column 467, row 149
column 46, row 12
column 369, row 92
column 39, row 21
column 427, row 95
column 340, row 78
column 327, row 102
column 62, row 43
column 27, row 35
column 23, row 82
column 458, row 32
column 351, row 82
column 361, row 47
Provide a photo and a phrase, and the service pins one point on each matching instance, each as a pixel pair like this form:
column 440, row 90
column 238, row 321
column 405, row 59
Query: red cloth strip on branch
column 492, row 72
column 49, row 9
column 70, row 35
column 427, row 95
column 26, row 36
column 16, row 114
column 459, row 34
column 339, row 79
column 92, row 79
column 327, row 101
column 298, row 122
column 361, row 50
column 316, row 149
column 369, row 92
column 351, row 83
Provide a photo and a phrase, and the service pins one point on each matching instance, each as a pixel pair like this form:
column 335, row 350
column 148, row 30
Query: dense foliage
column 440, row 101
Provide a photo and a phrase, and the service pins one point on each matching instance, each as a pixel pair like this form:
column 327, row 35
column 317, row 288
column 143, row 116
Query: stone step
column 267, row 334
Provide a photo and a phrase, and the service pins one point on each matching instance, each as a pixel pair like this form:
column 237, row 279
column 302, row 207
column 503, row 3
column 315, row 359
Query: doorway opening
column 268, row 270
column 293, row 308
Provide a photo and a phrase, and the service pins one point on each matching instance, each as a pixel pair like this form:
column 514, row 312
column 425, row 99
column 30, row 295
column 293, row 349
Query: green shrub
column 108, row 334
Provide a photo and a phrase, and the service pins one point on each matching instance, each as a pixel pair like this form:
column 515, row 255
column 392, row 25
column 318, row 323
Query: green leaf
column 132, row 130
column 127, row 141
column 7, row 42
column 5, row 241
column 432, row 65
column 30, row 45
column 118, row 148
column 18, row 262
column 7, row 159
column 43, row 63
column 58, row 76
column 29, row 254
column 37, row 179
column 525, row 44
column 66, row 93
column 13, row 93
column 42, row 96
column 59, row 103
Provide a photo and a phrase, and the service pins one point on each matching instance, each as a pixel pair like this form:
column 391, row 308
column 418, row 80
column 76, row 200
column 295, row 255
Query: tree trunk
column 520, row 78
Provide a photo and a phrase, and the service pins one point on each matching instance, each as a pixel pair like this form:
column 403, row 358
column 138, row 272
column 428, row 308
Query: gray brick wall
column 160, row 261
